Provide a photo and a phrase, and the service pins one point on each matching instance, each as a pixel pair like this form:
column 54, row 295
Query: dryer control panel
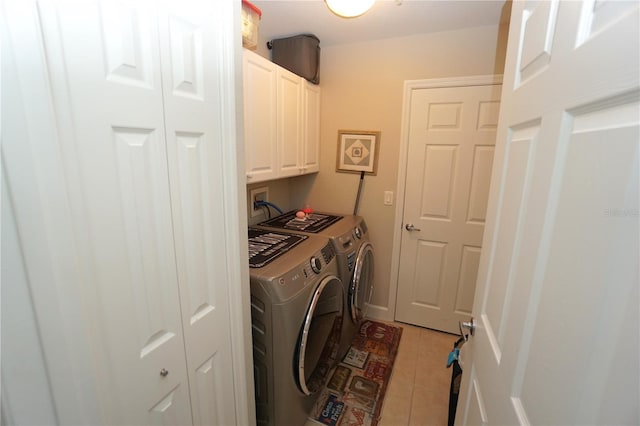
column 309, row 267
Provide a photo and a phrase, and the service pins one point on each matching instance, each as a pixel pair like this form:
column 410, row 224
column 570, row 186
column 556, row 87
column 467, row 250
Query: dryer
column 350, row 238
column 297, row 305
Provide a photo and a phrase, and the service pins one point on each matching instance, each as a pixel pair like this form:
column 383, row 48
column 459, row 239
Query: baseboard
column 379, row 313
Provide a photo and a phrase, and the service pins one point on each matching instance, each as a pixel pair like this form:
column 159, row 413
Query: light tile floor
column 418, row 393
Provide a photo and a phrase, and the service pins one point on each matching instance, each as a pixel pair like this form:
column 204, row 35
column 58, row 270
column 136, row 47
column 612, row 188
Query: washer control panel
column 316, row 265
column 357, row 232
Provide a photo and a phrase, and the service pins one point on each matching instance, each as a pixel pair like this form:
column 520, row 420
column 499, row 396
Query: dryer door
column 361, row 288
column 319, row 338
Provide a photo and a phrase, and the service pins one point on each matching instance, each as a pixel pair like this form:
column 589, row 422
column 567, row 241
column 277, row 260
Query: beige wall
column 362, row 89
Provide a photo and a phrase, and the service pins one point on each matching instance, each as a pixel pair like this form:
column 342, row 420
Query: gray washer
column 296, row 315
column 350, row 239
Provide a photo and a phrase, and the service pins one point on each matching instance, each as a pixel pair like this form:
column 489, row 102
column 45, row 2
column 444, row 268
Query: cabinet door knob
column 164, row 373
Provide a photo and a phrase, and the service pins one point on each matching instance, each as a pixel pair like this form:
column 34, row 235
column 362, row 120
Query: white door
column 556, row 306
column 138, row 184
column 190, row 47
column 105, row 69
column 451, row 135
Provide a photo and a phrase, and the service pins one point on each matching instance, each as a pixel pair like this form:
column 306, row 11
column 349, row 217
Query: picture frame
column 358, row 151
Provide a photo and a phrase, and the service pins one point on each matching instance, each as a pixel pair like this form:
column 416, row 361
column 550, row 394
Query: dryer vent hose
column 355, row 209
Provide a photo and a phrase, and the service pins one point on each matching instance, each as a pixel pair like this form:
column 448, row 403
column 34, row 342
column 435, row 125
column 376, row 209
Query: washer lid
column 265, row 246
column 312, row 222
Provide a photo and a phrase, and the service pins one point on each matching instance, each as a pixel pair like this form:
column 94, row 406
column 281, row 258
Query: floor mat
column 355, row 391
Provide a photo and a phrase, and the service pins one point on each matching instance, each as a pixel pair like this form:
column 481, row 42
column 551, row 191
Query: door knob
column 470, row 325
column 409, row 227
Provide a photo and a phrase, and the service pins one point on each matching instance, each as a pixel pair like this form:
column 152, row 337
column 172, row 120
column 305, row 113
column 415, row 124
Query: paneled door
column 190, row 49
column 556, row 340
column 451, row 136
column 135, row 87
column 106, row 78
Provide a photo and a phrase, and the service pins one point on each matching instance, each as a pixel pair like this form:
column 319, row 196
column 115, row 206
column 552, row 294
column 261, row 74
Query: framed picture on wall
column 358, row 151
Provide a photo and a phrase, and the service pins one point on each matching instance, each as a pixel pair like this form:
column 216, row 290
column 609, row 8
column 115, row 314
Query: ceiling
column 386, row 19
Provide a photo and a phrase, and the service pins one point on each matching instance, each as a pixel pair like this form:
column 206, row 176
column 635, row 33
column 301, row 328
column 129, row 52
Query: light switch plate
column 388, row 198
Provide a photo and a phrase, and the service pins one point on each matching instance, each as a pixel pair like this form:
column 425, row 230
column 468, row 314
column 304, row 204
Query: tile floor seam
column 413, row 381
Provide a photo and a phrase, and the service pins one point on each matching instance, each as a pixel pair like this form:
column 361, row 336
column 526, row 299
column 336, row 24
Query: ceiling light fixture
column 349, row 8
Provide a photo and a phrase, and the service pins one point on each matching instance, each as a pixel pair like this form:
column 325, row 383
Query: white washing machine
column 350, row 238
column 297, row 305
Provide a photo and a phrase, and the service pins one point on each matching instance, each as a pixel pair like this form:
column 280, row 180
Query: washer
column 297, row 305
column 350, row 238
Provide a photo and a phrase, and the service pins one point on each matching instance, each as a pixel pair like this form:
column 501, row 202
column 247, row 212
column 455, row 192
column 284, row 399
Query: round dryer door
column 319, row 338
column 361, row 288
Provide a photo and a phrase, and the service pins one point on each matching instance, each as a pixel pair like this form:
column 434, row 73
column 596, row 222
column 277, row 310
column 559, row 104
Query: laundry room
column 364, row 62
column 195, row 234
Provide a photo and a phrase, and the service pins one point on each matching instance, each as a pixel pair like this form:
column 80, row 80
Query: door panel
column 127, row 45
column 450, row 154
column 557, row 284
column 480, row 180
column 190, row 49
column 511, row 215
column 439, row 173
column 106, row 79
column 429, row 277
column 467, row 281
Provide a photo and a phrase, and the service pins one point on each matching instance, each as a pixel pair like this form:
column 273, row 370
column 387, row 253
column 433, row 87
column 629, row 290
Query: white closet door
column 191, row 51
column 105, row 70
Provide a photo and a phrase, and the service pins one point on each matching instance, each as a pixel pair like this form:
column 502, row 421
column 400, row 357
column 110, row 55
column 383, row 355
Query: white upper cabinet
column 282, row 121
column 310, row 128
column 289, row 118
column 260, row 117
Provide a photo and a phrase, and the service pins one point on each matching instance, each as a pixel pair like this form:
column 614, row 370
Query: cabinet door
column 191, row 51
column 311, row 128
column 105, row 72
column 259, row 117
column 289, row 118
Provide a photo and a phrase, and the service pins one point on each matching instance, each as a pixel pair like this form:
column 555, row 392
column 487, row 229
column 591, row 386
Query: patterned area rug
column 355, row 391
